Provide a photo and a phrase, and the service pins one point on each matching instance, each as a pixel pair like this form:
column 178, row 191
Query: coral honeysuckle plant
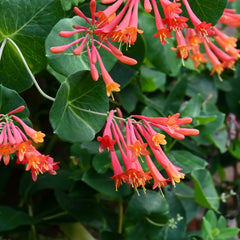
column 139, row 105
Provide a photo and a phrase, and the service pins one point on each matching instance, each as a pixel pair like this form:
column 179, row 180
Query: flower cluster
column 119, row 23
column 220, row 48
column 14, row 140
column 133, row 147
column 104, row 32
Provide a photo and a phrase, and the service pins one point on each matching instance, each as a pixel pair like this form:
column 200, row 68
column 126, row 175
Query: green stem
column 155, row 224
column 30, row 72
column 184, row 196
column 33, row 228
column 96, row 113
column 120, row 216
column 55, row 216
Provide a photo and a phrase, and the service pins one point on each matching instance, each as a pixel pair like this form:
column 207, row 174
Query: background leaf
column 27, row 23
column 67, row 116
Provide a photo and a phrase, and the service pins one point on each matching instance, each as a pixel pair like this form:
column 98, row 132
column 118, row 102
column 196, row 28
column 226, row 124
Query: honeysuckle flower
column 202, row 28
column 227, row 60
column 102, row 28
column 162, row 31
column 139, row 136
column 171, row 125
column 217, row 65
column 172, row 170
column 230, row 18
column 14, row 140
column 182, row 47
column 106, row 140
column 118, row 176
column 39, row 163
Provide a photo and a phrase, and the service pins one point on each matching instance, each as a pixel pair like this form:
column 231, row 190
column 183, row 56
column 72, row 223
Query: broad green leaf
column 205, row 192
column 211, row 127
column 206, row 230
column 69, row 4
column 101, row 162
column 10, row 100
column 67, row 63
column 211, row 217
column 70, row 114
column 192, row 107
column 151, row 79
column 219, row 139
column 208, row 11
column 175, row 97
column 11, row 218
column 104, row 184
column 162, row 57
column 226, row 233
column 176, row 208
column 187, row 161
column 129, row 97
column 186, row 196
column 27, row 23
column 202, row 84
column 234, row 149
column 152, row 205
column 136, row 51
column 202, row 120
column 222, row 222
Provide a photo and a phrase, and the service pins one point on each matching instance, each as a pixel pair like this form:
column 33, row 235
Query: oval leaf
column 205, row 192
column 27, row 23
column 69, row 114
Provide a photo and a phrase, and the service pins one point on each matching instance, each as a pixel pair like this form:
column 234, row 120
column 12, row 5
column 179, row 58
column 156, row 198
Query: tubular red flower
column 106, row 140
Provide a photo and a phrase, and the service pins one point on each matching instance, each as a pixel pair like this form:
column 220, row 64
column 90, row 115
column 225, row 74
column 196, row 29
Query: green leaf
column 176, row 208
column 27, row 23
column 104, row 184
column 10, row 100
column 192, row 107
column 69, row 4
column 187, row 161
column 69, row 114
column 101, row 162
column 152, row 205
column 229, row 232
column 206, row 229
column 211, row 217
column 11, row 218
column 186, row 196
column 219, row 139
column 162, row 57
column 151, row 79
column 175, row 97
column 129, row 97
column 208, row 11
column 205, row 192
column 202, row 120
column 67, row 63
column 202, row 84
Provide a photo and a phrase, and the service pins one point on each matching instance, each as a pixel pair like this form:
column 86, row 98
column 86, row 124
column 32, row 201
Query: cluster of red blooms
column 132, row 147
column 14, row 140
column 121, row 25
